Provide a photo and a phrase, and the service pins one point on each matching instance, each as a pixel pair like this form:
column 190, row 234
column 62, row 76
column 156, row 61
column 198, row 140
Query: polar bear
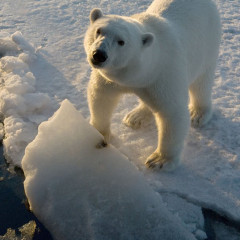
column 167, row 57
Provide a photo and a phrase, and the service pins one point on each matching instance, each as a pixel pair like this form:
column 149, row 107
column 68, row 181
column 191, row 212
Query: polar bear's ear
column 95, row 14
column 147, row 39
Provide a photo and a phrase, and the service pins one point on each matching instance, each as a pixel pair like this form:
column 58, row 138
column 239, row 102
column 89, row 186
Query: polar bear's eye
column 121, row 42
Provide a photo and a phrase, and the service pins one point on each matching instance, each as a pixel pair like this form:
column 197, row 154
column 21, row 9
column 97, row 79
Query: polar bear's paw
column 158, row 161
column 102, row 144
column 200, row 116
column 138, row 117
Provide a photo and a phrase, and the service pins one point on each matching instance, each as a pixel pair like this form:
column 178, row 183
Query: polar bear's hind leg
column 138, row 117
column 200, row 106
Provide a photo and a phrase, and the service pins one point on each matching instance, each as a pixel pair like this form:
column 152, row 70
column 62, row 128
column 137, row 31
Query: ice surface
column 98, row 192
column 192, row 218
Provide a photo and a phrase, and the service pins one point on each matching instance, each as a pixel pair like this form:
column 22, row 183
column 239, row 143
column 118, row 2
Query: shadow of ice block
column 81, row 192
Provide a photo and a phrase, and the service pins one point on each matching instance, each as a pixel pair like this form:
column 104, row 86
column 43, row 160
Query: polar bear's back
column 182, row 10
column 197, row 25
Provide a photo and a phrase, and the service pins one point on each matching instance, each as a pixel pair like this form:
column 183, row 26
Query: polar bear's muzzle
column 99, row 56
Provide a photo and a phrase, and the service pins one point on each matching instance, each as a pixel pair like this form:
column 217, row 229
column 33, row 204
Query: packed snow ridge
column 21, row 106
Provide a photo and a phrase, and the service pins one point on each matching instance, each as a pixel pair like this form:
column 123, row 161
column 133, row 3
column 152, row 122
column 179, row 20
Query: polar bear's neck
column 133, row 75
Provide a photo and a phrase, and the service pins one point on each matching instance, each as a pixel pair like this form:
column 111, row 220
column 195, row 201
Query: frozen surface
column 68, row 178
column 22, row 106
column 46, row 64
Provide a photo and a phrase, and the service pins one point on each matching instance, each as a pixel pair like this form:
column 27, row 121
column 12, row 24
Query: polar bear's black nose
column 99, row 56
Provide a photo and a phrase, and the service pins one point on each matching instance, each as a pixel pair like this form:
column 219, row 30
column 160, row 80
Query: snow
column 104, row 193
column 46, row 64
column 22, row 106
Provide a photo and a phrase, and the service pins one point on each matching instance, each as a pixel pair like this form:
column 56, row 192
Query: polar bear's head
column 113, row 42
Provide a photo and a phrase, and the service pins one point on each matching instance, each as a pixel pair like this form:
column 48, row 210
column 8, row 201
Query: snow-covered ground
column 45, row 64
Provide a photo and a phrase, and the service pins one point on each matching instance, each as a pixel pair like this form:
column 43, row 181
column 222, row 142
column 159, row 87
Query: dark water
column 227, row 229
column 13, row 211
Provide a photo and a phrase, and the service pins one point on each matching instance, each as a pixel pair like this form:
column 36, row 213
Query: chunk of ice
column 81, row 192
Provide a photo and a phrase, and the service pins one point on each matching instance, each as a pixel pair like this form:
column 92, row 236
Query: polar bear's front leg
column 103, row 96
column 171, row 133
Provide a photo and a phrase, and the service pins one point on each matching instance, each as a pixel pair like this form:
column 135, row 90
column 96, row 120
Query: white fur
column 169, row 54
